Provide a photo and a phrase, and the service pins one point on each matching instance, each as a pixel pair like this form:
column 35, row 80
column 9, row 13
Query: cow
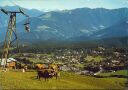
column 40, row 66
column 11, row 65
column 45, row 73
column 55, row 69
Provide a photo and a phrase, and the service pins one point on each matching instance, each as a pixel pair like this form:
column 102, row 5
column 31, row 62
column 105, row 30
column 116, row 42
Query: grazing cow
column 45, row 73
column 40, row 66
column 11, row 65
column 55, row 69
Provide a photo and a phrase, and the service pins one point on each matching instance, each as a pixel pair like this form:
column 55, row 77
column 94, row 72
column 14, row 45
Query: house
column 11, row 62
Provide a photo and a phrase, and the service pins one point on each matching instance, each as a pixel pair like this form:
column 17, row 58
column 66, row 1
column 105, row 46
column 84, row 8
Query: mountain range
column 81, row 25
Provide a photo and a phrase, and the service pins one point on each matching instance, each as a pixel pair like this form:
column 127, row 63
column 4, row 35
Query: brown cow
column 40, row 66
column 11, row 65
column 45, row 73
column 55, row 69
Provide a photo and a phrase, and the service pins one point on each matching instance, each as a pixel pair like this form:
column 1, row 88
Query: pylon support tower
column 9, row 34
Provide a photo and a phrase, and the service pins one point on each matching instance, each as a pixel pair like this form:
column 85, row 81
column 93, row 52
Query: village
column 81, row 61
column 95, row 65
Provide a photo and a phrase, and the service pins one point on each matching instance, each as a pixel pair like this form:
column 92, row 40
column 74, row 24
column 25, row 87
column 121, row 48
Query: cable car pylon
column 9, row 33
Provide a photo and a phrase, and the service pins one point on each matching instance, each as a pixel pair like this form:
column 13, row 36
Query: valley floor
column 27, row 80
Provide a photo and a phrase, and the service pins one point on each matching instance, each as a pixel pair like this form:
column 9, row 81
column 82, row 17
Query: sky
column 65, row 4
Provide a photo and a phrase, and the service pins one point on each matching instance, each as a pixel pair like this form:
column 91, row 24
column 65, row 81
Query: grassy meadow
column 27, row 80
column 119, row 72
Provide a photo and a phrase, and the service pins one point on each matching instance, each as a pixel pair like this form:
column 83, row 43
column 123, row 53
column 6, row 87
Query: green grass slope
column 27, row 80
column 119, row 72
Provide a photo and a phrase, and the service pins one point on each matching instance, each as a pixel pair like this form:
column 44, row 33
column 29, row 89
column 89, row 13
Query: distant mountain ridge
column 82, row 24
